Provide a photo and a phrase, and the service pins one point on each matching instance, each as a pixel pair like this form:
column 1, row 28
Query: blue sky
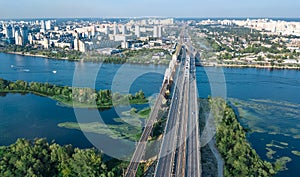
column 137, row 8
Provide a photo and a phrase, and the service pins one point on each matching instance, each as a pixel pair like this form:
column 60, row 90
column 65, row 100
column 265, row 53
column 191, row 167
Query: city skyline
column 154, row 8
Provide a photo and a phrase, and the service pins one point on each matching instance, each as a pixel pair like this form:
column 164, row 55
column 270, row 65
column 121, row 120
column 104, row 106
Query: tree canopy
column 39, row 158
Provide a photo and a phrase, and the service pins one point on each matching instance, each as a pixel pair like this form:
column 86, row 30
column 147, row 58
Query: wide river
column 268, row 101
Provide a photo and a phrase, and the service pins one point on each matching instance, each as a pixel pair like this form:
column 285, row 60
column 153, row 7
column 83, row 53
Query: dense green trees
column 129, row 56
column 95, row 57
column 240, row 159
column 39, row 158
column 57, row 53
column 257, row 48
column 81, row 97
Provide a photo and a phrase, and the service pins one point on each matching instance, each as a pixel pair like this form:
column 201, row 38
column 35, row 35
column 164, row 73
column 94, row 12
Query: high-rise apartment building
column 116, row 30
column 24, row 34
column 48, row 25
column 157, row 31
column 124, row 30
column 137, row 31
column 18, row 38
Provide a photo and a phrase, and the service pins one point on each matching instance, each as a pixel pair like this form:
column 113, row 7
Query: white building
column 43, row 27
column 120, row 38
column 124, row 30
column 106, row 30
column 137, row 31
column 30, row 39
column 79, row 45
column 46, row 43
column 116, row 31
column 18, row 38
column 48, row 25
column 93, row 30
column 157, row 31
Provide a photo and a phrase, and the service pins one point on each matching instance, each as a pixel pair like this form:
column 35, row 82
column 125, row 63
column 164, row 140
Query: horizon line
column 141, row 17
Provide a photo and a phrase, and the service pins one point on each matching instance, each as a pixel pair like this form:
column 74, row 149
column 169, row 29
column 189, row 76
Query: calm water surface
column 268, row 100
column 267, row 91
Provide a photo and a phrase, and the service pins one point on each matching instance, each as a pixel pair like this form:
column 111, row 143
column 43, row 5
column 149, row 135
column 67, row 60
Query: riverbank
column 35, row 55
column 251, row 66
column 130, row 61
column 240, row 159
column 144, row 56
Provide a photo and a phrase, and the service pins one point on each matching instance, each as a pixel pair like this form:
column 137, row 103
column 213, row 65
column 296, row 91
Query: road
column 142, row 144
column 166, row 156
column 180, row 149
column 193, row 142
column 218, row 157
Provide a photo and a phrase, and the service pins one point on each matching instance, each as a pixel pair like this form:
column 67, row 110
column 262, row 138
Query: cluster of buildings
column 282, row 32
column 84, row 35
column 276, row 27
column 17, row 35
column 272, row 26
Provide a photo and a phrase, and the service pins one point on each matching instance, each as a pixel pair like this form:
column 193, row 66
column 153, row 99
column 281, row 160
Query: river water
column 267, row 101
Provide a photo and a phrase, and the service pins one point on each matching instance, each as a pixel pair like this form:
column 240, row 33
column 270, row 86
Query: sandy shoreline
column 32, row 55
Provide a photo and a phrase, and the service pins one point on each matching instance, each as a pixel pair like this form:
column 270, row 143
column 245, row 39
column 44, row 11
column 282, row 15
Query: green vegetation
column 39, row 158
column 128, row 127
column 208, row 160
column 255, row 114
column 236, row 46
column 270, row 153
column 142, row 56
column 257, row 48
column 297, row 153
column 95, row 57
column 122, row 131
column 144, row 113
column 240, row 159
column 276, row 146
column 75, row 97
column 56, row 53
column 141, row 170
column 280, row 163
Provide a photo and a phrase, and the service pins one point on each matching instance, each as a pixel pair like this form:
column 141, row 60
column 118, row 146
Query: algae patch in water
column 270, row 153
column 127, row 127
column 268, row 116
column 297, row 153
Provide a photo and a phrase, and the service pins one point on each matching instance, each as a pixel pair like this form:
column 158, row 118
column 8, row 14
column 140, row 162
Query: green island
column 71, row 96
column 239, row 157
